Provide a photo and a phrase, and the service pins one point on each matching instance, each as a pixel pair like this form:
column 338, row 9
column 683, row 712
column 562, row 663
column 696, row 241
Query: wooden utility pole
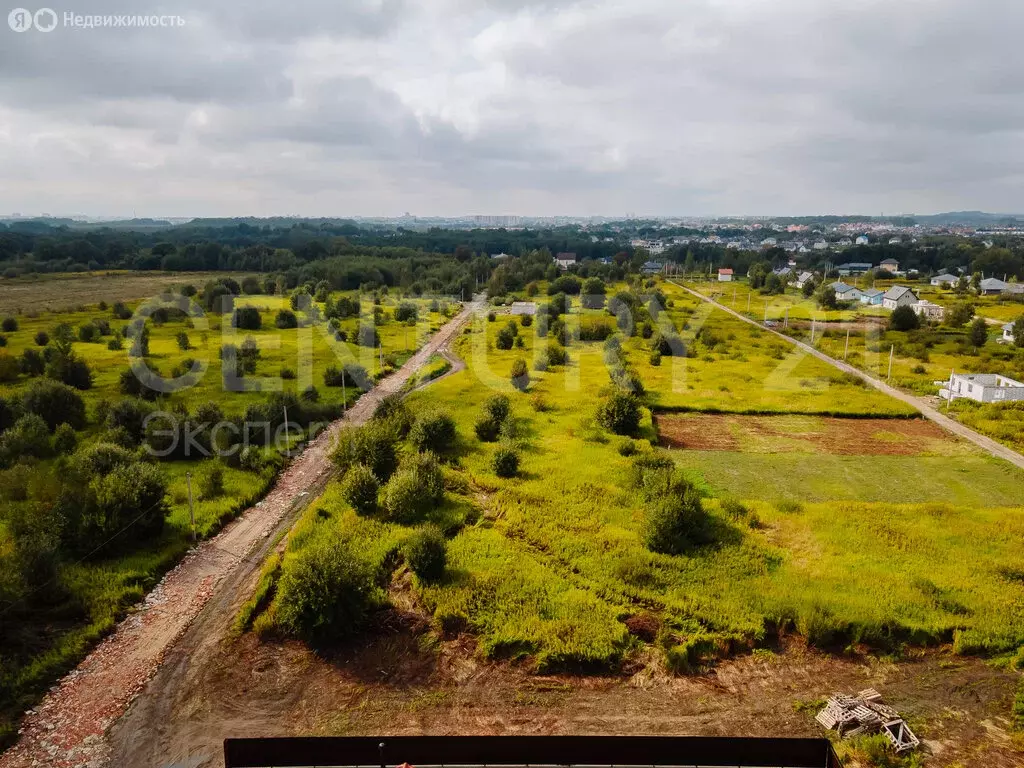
column 191, row 511
column 766, row 310
column 892, row 351
column 344, row 393
column 287, row 437
column 846, row 351
column 748, row 301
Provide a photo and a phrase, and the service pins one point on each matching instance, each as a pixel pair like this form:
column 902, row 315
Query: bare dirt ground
column 68, row 728
column 810, row 434
column 395, row 683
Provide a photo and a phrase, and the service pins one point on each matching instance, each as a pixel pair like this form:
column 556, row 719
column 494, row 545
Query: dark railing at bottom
column 420, row 751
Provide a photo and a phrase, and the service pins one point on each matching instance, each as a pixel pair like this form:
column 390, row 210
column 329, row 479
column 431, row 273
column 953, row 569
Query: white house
column 500, row 256
column 803, row 278
column 725, row 275
column 993, row 285
column 983, row 387
column 945, row 277
column 821, row 245
column 768, row 242
column 1008, row 336
column 928, row 311
column 899, row 296
column 565, row 260
column 894, row 241
column 652, row 267
column 862, row 240
column 523, row 308
column 846, row 292
column 890, row 265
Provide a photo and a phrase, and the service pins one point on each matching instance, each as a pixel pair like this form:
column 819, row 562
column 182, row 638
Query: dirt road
column 991, row 446
column 69, row 727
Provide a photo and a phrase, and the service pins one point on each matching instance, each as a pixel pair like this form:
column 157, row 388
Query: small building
column 993, row 285
column 500, row 256
column 725, row 275
column 821, row 245
column 894, row 241
column 769, row 242
column 872, row 296
column 982, row 387
column 853, row 268
column 846, row 292
column 862, row 240
column 1008, row 336
column 652, row 267
column 803, row 278
column 523, row 308
column 899, row 296
column 943, row 279
column 928, row 311
column 565, row 260
column 890, row 265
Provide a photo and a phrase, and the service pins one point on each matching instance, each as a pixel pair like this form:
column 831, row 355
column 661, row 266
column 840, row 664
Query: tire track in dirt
column 68, row 728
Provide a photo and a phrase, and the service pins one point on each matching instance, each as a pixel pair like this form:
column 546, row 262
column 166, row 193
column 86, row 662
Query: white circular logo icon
column 20, row 20
column 45, row 20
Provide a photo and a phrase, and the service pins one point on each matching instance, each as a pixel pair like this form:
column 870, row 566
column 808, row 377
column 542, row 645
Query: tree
column 826, row 297
column 593, row 293
column 426, row 553
column 808, row 288
column 372, row 445
column 248, row 318
column 56, row 403
column 903, row 318
column 183, row 342
column 978, row 333
column 620, row 413
column 286, row 319
column 520, row 375
column 9, row 324
column 675, row 520
column 960, row 314
column 29, row 437
column 1018, row 332
column 42, row 339
column 361, row 488
column 433, row 431
column 407, row 312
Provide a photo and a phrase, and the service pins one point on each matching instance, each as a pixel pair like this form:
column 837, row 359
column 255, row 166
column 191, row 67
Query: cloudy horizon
column 534, row 108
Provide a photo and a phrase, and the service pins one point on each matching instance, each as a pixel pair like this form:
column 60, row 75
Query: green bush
column 32, row 363
column 520, row 375
column 9, row 325
column 498, row 407
column 101, row 458
column 393, row 412
column 414, row 490
column 505, row 462
column 406, row 312
column 360, row 489
column 286, row 319
column 627, row 448
column 904, row 319
column 326, row 591
column 426, row 553
column 29, row 437
column 64, row 440
column 620, row 413
column 248, row 318
column 557, row 354
column 505, row 339
column 655, row 358
column 487, row 428
column 372, row 445
column 56, row 403
column 115, row 344
column 433, row 431
column 211, row 481
column 129, row 501
column 367, row 336
column 130, row 415
column 10, row 367
column 42, row 338
column 675, row 521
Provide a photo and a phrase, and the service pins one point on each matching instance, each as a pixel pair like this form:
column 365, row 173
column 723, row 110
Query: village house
column 943, row 279
column 872, row 296
column 523, row 308
column 565, row 260
column 500, row 256
column 899, row 296
column 853, row 268
column 846, row 292
column 725, row 275
column 862, row 240
column 652, row 267
column 928, row 311
column 890, row 265
column 804, row 278
column 1008, row 336
column 993, row 285
column 982, row 387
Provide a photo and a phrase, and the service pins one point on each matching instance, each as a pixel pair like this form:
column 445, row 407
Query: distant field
column 66, row 291
column 550, row 566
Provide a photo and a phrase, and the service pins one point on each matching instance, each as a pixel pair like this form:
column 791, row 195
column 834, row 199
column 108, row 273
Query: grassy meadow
column 550, row 566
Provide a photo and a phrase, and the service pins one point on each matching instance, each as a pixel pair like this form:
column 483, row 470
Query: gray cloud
column 498, row 106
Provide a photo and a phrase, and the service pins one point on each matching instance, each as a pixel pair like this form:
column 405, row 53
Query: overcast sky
column 445, row 107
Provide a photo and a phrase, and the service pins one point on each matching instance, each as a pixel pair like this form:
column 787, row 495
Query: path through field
column 986, row 443
column 69, row 727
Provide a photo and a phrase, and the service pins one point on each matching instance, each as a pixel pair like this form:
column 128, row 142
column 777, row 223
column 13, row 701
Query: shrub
column 42, row 338
column 526, row 321
column 520, row 375
column 426, row 553
column 978, row 332
column 56, row 403
column 668, row 344
column 491, row 317
column 655, row 358
column 675, row 521
column 183, row 342
column 64, row 440
column 248, row 318
column 101, row 458
column 88, row 333
column 557, row 354
column 9, row 325
column 130, row 415
column 904, row 319
column 28, row 437
column 131, row 385
column 403, row 497
column 360, row 489
column 735, row 509
column 115, row 344
column 326, row 591
column 627, row 448
column 620, row 413
column 310, row 395
column 392, row 412
column 505, row 462
column 539, row 403
column 434, row 431
column 367, row 336
column 487, row 429
column 406, row 312
column 498, row 407
column 286, row 319
column 10, row 367
column 372, row 445
column 211, row 481
column 287, row 374
column 505, row 339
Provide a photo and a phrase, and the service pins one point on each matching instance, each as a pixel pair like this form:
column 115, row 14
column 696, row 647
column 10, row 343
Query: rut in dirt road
column 932, row 414
column 68, row 728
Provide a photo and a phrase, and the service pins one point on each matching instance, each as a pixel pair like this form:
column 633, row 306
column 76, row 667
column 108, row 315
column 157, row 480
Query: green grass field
column 550, row 565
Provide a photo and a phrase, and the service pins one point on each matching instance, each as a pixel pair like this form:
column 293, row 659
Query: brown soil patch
column 401, row 682
column 800, row 434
